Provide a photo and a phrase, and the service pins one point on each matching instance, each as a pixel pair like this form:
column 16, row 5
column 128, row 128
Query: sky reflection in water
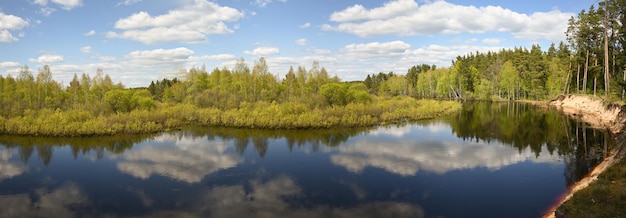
column 419, row 170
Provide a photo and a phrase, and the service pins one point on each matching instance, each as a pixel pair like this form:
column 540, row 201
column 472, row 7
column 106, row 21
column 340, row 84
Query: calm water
column 490, row 160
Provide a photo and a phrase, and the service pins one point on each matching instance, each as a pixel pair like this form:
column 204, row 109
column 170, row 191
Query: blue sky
column 137, row 41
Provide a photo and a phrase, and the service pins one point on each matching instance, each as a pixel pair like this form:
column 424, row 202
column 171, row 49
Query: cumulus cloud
column 386, row 48
column 10, row 22
column 68, row 4
column 90, row 33
column 9, row 64
column 406, row 18
column 263, row 51
column 46, row 59
column 128, row 2
column 305, row 25
column 134, row 69
column 188, row 24
column 45, row 11
column 263, row 3
column 491, row 41
column 40, row 2
column 301, row 41
column 85, row 49
column 217, row 57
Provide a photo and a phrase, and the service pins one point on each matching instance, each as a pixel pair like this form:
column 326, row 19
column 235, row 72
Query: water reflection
column 270, row 199
column 8, row 168
column 406, row 156
column 462, row 163
column 63, row 201
column 524, row 126
column 186, row 159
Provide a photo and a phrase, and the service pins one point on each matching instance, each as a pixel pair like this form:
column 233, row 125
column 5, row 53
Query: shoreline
column 258, row 115
column 600, row 116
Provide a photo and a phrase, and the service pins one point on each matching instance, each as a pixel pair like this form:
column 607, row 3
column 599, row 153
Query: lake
column 489, row 160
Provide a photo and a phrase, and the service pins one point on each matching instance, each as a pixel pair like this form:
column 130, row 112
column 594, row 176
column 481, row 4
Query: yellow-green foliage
column 260, row 114
column 241, row 98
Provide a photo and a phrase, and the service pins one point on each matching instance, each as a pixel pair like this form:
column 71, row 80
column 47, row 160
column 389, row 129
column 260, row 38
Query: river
column 489, row 160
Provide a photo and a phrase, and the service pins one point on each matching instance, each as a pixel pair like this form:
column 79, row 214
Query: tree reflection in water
column 483, row 135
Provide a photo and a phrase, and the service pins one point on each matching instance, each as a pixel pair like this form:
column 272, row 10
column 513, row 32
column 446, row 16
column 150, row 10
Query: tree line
column 593, row 62
column 238, row 97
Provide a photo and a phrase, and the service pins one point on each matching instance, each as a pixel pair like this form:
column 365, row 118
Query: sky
column 139, row 41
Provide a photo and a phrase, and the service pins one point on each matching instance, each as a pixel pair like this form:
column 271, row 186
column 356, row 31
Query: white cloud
column 388, row 10
column 9, row 64
column 90, row 33
column 406, row 18
column 68, row 4
column 47, row 59
column 301, row 41
column 128, row 2
column 218, row 57
column 10, row 22
column 263, row 51
column 491, row 41
column 40, row 2
column 45, row 11
column 158, row 55
column 263, row 3
column 134, row 69
column 5, row 36
column 188, row 24
column 85, row 49
column 378, row 48
column 305, row 25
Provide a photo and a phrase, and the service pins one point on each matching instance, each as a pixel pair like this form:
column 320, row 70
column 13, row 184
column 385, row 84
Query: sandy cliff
column 593, row 111
column 600, row 115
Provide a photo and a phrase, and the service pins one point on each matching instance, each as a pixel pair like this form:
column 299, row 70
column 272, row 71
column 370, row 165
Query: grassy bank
column 606, row 197
column 263, row 115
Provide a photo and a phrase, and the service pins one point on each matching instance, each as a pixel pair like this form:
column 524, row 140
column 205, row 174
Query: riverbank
column 261, row 115
column 601, row 193
column 596, row 112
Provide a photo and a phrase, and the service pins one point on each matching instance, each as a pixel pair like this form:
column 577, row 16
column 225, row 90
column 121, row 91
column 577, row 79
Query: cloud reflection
column 44, row 204
column 9, row 169
column 189, row 160
column 269, row 200
column 406, row 158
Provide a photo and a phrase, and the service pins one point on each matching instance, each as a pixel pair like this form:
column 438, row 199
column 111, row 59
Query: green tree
column 334, row 93
column 118, row 100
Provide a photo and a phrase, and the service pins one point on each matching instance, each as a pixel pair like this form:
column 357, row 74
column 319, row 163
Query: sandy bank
column 599, row 115
column 592, row 110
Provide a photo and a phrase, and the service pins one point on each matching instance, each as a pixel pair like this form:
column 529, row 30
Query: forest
column 592, row 61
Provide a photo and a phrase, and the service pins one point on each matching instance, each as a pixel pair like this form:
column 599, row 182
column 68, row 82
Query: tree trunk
column 585, row 73
column 623, row 90
column 578, row 79
column 569, row 72
column 606, row 52
column 595, row 84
